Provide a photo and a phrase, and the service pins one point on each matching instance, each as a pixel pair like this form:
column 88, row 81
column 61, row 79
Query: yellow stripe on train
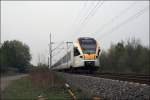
column 89, row 56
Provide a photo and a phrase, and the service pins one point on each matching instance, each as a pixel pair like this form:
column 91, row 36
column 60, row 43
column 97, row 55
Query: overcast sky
column 108, row 21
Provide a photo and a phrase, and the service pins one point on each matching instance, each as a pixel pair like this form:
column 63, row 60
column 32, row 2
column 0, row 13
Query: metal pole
column 67, row 54
column 67, row 51
column 48, row 62
column 0, row 31
column 50, row 48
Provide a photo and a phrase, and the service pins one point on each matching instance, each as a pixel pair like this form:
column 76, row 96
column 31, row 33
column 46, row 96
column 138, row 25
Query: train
column 83, row 55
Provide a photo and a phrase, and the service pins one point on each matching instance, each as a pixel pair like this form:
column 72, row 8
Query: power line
column 86, row 12
column 78, row 16
column 135, row 16
column 85, row 5
column 58, row 45
column 100, row 4
column 91, row 14
column 88, row 8
column 80, row 13
column 62, row 48
column 93, row 10
column 67, row 47
column 58, row 52
column 117, row 16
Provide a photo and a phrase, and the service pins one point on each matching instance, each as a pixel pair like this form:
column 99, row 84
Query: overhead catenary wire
column 76, row 20
column 58, row 52
column 78, row 17
column 58, row 45
column 90, row 15
column 114, row 18
column 87, row 9
column 120, row 15
column 133, row 17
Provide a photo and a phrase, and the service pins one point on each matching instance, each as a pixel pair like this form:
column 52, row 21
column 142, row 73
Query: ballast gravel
column 109, row 89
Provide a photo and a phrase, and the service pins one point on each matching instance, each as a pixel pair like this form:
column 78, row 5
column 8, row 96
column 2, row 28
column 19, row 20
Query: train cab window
column 76, row 52
column 89, row 45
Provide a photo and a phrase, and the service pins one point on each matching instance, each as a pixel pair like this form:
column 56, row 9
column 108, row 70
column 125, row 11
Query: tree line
column 123, row 57
column 14, row 55
column 126, row 57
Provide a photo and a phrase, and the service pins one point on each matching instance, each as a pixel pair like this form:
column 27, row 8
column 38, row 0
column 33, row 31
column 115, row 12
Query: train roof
column 85, row 38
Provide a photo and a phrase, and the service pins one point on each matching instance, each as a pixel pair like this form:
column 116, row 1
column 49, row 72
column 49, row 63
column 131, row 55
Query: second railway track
column 142, row 79
column 111, row 86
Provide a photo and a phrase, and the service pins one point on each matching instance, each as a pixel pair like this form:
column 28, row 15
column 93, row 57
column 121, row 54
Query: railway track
column 111, row 86
column 143, row 79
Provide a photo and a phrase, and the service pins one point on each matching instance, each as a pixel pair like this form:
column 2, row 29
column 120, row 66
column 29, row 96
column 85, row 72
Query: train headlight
column 81, row 56
column 96, row 56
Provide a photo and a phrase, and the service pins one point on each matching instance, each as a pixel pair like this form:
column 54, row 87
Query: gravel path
column 5, row 81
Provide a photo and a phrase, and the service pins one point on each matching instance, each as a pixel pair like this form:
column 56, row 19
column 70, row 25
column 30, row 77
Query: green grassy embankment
column 40, row 82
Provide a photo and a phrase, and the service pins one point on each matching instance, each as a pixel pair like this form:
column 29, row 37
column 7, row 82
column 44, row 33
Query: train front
column 89, row 51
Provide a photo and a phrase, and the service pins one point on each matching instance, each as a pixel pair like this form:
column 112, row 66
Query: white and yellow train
column 84, row 55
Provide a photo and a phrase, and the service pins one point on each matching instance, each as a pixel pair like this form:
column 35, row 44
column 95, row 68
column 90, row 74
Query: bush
column 131, row 57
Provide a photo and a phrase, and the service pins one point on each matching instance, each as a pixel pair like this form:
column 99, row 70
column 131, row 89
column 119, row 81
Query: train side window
column 76, row 52
column 98, row 51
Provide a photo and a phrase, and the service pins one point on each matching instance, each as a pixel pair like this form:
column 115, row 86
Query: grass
column 39, row 82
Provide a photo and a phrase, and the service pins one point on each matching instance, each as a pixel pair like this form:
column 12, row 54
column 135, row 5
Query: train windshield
column 88, row 45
